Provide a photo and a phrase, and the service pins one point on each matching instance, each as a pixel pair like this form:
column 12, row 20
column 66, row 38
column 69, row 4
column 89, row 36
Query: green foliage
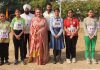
column 80, row 7
column 38, row 3
column 11, row 5
column 83, row 6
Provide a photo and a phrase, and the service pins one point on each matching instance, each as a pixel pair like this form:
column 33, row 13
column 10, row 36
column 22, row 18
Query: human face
column 26, row 11
column 90, row 13
column 56, row 13
column 17, row 13
column 2, row 17
column 48, row 8
column 38, row 13
column 70, row 14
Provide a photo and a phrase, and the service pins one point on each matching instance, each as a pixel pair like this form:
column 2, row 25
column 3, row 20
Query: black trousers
column 18, row 44
column 71, row 47
column 57, row 53
column 4, row 51
column 26, row 39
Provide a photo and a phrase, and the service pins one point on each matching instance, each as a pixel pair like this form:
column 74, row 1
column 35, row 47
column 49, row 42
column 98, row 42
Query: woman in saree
column 38, row 39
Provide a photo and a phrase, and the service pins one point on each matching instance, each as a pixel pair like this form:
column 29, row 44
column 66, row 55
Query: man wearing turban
column 28, row 17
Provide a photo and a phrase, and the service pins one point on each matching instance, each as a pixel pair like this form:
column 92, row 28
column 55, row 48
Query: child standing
column 90, row 29
column 17, row 26
column 4, row 39
column 56, row 42
column 71, row 28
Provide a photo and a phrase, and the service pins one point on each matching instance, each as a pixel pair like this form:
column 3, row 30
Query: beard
column 49, row 10
column 27, row 12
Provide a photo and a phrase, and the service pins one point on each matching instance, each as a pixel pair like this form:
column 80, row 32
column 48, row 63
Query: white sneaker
column 73, row 60
column 88, row 61
column 94, row 61
column 68, row 61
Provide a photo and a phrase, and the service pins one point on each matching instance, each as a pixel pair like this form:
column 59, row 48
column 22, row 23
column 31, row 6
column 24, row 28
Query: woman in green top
column 17, row 27
column 90, row 30
column 4, row 39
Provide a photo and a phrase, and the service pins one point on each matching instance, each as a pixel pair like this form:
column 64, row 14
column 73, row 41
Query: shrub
column 80, row 7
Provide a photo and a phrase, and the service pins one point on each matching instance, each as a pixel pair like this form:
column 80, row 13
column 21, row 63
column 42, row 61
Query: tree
column 38, row 3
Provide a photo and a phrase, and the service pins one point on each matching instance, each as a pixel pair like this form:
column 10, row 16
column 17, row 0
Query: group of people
column 43, row 31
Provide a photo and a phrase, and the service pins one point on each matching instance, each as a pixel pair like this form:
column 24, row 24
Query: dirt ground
column 80, row 65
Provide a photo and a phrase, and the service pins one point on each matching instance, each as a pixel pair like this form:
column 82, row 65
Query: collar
column 28, row 14
column 50, row 12
column 3, row 22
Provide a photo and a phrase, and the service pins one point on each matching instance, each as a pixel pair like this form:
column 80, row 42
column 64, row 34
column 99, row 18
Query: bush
column 80, row 7
column 38, row 3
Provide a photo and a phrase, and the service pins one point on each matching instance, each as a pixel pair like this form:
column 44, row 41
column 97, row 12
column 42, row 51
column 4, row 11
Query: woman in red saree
column 38, row 39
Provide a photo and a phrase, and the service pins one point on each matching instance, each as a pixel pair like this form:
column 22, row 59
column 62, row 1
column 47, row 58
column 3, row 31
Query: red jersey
column 71, row 25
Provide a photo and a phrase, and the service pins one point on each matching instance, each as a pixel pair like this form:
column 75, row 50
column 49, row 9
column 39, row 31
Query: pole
column 60, row 9
column 59, row 2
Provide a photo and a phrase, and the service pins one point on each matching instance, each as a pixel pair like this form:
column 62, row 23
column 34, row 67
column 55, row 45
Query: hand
column 71, row 37
column 72, row 33
column 56, row 36
column 91, row 37
column 67, row 31
column 63, row 32
column 17, row 37
column 37, row 32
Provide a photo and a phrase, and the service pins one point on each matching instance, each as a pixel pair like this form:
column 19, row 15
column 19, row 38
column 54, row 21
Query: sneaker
column 68, row 60
column 7, row 62
column 23, row 62
column 88, row 61
column 54, row 62
column 1, row 63
column 94, row 61
column 15, row 62
column 73, row 60
column 30, row 60
column 60, row 61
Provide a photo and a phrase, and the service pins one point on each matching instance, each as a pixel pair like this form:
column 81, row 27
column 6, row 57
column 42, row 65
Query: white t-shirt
column 18, row 25
column 48, row 16
column 28, row 19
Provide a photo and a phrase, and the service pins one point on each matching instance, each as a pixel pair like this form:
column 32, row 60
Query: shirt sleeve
column 9, row 29
column 61, row 30
column 85, row 27
column 44, row 14
column 78, row 25
column 65, row 22
column 21, row 15
column 77, row 21
column 12, row 23
column 23, row 22
column 95, row 33
column 51, row 29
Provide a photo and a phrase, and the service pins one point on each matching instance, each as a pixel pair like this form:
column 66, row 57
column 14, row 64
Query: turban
column 27, row 6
